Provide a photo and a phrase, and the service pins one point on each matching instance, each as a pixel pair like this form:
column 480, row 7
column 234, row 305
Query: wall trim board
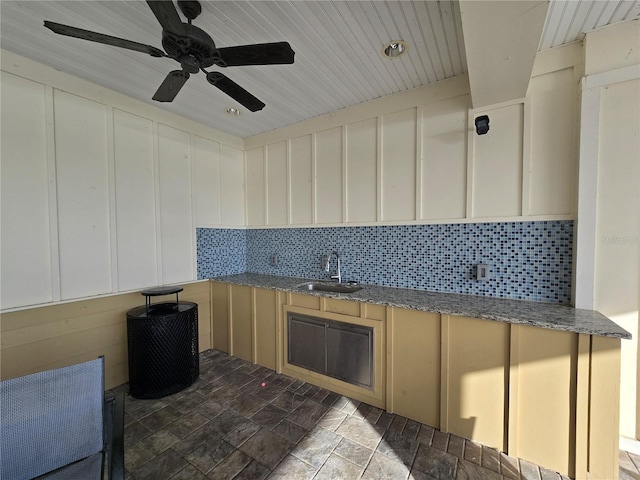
column 610, row 77
column 314, row 193
column 511, row 412
column 583, row 388
column 559, row 58
column 111, row 175
column 470, row 166
column 156, row 199
column 585, row 255
column 527, row 125
column 40, row 73
column 343, row 160
column 378, row 169
column 452, row 87
column 94, row 297
column 588, row 178
column 53, row 194
column 438, row 221
column 418, row 161
column 445, row 368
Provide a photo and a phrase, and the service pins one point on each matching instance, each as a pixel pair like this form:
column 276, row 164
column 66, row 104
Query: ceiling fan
column 194, row 50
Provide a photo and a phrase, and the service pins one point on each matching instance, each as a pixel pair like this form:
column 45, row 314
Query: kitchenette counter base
column 537, row 381
column 535, row 314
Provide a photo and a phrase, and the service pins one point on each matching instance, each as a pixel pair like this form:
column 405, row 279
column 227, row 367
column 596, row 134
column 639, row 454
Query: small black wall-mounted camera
column 482, row 124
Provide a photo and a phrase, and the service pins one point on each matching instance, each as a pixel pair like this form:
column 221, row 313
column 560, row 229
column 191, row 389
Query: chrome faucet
column 327, row 261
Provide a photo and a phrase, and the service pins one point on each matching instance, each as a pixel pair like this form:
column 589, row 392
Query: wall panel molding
column 127, row 202
column 524, row 168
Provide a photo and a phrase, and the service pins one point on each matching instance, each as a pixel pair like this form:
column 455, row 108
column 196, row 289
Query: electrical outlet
column 273, row 260
column 482, row 272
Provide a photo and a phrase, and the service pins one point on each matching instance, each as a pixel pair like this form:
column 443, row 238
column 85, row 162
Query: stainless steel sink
column 330, row 287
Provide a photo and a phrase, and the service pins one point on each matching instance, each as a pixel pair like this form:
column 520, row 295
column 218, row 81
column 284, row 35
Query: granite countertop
column 538, row 314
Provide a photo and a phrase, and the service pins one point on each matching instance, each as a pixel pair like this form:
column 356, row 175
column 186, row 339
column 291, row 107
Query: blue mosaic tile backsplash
column 528, row 260
column 221, row 251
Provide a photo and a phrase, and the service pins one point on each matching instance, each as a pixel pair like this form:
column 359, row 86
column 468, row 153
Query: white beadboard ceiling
column 338, row 46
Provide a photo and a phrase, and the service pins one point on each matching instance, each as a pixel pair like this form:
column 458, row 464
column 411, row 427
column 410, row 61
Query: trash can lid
column 157, row 291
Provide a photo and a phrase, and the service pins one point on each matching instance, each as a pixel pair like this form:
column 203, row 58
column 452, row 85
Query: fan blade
column 166, row 13
column 235, row 91
column 100, row 38
column 170, row 86
column 258, row 54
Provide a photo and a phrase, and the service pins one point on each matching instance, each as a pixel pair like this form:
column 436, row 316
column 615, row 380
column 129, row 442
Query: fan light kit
column 194, row 50
column 395, row 49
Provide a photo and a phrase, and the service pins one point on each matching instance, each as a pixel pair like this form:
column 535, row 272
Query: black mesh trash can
column 163, row 345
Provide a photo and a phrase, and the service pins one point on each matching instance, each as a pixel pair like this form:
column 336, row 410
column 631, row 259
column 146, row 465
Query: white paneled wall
column 552, row 185
column 137, row 249
column 398, row 172
column 174, row 181
column 328, row 177
column 231, row 186
column 497, row 164
column 206, row 181
column 26, row 272
column 444, row 159
column 361, row 158
column 277, row 197
column 82, row 180
column 415, row 158
column 101, row 193
column 256, row 192
column 300, row 185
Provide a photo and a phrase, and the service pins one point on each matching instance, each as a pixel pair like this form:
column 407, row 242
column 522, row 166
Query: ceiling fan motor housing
column 190, row 9
column 195, row 43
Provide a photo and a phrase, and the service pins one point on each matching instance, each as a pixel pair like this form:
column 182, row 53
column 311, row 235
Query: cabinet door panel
column 543, row 364
column 220, row 314
column 414, row 370
column 241, row 322
column 476, row 379
column 265, row 327
column 307, row 343
column 350, row 353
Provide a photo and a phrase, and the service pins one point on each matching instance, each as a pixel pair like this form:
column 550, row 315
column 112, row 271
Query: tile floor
column 227, row 425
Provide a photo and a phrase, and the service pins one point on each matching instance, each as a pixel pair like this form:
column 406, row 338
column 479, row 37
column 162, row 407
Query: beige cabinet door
column 413, row 368
column 220, row 316
column 241, row 324
column 266, row 306
column 475, row 369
